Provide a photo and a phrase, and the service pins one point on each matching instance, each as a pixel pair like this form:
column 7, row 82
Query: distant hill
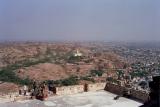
column 21, row 63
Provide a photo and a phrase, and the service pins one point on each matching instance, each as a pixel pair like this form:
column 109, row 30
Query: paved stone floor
column 86, row 99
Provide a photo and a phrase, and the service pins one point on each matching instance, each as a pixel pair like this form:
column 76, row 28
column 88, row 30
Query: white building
column 77, row 53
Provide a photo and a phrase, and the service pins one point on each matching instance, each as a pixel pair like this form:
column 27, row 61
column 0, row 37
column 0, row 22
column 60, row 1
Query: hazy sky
column 116, row 20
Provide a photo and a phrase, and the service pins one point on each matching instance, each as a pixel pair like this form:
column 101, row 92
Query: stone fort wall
column 96, row 86
column 65, row 90
column 113, row 88
column 116, row 89
column 143, row 96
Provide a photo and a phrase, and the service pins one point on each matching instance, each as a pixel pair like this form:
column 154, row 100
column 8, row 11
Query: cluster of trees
column 73, row 59
column 87, row 78
column 120, row 73
column 110, row 79
column 96, row 72
column 7, row 75
column 138, row 73
column 72, row 80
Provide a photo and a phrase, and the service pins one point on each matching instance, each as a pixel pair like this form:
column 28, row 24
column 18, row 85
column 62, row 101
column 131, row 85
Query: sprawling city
column 68, row 53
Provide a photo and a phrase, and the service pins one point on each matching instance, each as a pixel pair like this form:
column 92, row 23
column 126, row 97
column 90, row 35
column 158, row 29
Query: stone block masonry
column 143, row 96
column 66, row 90
column 110, row 87
column 136, row 94
column 96, row 86
column 114, row 88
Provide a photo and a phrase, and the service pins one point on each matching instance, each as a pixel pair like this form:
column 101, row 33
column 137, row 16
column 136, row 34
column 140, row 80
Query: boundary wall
column 135, row 94
column 110, row 87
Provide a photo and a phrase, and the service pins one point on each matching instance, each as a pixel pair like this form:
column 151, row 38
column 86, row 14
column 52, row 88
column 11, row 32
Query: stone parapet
column 65, row 90
column 96, row 86
column 117, row 89
column 114, row 88
column 111, row 87
column 143, row 96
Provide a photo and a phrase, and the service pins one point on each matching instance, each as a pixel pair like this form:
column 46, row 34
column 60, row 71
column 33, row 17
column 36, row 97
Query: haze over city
column 107, row 20
column 79, row 53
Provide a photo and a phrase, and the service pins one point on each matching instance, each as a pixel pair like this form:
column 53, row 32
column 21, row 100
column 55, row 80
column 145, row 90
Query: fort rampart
column 96, row 86
column 110, row 87
column 136, row 94
column 65, row 90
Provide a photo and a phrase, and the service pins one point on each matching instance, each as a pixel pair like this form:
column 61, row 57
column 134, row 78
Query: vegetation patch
column 87, row 79
column 96, row 72
column 110, row 79
column 7, row 75
column 72, row 80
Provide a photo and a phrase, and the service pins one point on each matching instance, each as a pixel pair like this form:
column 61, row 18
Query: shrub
column 70, row 81
column 10, row 76
column 73, row 59
column 96, row 72
column 87, row 79
column 110, row 79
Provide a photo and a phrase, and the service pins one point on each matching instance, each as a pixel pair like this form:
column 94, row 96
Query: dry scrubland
column 22, row 62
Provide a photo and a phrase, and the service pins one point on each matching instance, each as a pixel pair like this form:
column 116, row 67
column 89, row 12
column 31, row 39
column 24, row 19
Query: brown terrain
column 48, row 71
column 58, row 67
column 8, row 87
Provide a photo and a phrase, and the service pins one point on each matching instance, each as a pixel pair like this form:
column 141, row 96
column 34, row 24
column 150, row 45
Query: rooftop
column 86, row 99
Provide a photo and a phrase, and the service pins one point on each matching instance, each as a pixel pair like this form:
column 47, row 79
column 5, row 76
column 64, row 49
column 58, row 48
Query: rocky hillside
column 22, row 62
